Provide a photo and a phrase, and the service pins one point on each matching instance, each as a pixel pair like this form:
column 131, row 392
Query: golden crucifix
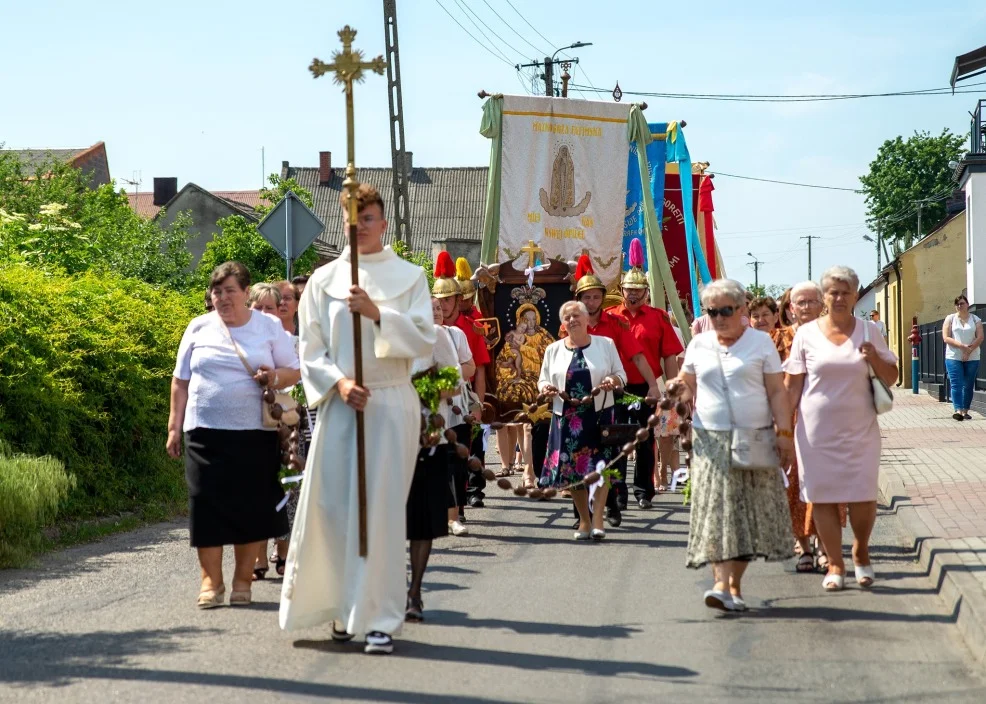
column 348, row 66
column 532, row 250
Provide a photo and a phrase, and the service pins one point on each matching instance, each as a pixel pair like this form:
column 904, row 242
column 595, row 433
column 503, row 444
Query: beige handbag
column 883, row 397
column 290, row 411
column 750, row 448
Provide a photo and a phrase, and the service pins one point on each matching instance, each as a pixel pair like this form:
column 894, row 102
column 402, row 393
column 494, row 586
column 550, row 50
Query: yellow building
column 923, row 281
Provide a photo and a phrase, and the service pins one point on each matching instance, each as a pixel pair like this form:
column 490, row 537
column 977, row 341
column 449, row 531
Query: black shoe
column 966, row 416
column 621, row 504
column 340, row 635
column 958, row 416
column 414, row 611
column 614, row 516
column 476, row 501
column 576, row 524
column 378, row 643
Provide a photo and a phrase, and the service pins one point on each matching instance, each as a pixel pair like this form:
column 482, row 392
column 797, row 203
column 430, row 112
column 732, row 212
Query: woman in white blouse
column 962, row 333
column 231, row 459
column 734, row 374
column 575, row 365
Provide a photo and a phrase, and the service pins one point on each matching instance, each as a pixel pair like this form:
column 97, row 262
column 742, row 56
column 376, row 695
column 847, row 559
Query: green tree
column 775, row 291
column 421, row 259
column 905, row 172
column 51, row 219
column 239, row 240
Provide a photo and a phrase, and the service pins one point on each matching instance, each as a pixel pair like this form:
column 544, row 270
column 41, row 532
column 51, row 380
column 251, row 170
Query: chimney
column 164, row 189
column 324, row 168
column 408, row 163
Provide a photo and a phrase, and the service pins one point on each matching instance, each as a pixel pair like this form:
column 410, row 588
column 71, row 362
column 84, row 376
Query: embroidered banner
column 563, row 181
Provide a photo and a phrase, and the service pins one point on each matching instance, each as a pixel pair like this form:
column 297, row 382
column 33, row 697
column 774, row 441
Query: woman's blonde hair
column 262, row 290
column 842, row 274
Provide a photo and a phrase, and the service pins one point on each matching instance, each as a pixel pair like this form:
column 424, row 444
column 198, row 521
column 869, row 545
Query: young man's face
column 370, row 226
column 450, row 308
column 593, row 301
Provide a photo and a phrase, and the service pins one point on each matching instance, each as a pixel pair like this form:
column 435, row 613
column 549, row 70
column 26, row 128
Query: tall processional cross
column 348, row 66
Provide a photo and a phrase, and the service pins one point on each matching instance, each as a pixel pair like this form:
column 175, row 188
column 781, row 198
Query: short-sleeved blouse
column 221, row 394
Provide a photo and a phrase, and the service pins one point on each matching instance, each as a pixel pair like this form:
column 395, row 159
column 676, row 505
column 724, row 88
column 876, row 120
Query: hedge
column 85, row 370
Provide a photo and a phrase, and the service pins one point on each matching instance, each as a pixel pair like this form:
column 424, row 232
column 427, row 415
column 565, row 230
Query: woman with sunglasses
column 963, row 336
column 734, row 374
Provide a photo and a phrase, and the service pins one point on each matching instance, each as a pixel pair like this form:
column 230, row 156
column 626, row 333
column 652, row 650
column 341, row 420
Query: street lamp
column 756, row 269
column 576, row 45
column 877, row 242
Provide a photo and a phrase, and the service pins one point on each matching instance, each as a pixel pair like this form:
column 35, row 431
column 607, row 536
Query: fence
column 932, row 354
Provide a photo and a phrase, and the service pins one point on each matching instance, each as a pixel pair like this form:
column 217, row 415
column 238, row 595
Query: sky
column 198, row 89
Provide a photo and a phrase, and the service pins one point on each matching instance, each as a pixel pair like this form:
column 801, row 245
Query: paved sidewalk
column 933, row 475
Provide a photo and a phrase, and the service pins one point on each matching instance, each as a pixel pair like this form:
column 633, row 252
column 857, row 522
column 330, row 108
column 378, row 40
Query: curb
column 942, row 561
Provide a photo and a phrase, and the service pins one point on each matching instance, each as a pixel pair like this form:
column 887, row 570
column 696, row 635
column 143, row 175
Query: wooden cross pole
column 348, row 66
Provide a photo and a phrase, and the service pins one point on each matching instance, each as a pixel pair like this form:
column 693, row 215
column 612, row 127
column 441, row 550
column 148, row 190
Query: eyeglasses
column 368, row 220
column 725, row 312
column 805, row 304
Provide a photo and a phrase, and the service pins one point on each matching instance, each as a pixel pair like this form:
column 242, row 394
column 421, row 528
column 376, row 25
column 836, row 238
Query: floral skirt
column 736, row 514
column 574, row 445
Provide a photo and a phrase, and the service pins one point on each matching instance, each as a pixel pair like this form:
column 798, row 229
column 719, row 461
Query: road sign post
column 290, row 227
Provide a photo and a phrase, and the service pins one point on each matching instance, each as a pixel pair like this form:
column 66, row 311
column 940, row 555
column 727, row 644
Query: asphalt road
column 516, row 612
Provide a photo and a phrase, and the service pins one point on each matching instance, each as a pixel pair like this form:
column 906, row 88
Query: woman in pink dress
column 837, row 436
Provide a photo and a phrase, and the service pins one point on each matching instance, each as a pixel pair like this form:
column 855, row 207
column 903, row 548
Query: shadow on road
column 539, row 662
column 458, row 618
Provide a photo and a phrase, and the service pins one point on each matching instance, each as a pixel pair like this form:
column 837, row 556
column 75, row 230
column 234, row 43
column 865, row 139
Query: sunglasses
column 725, row 312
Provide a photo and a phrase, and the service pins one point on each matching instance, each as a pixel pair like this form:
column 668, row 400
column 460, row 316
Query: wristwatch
column 785, row 434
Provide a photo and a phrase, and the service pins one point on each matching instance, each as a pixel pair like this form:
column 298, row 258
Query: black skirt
column 427, row 501
column 233, row 489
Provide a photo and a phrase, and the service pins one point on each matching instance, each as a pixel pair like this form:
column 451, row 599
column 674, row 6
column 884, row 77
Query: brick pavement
column 933, row 474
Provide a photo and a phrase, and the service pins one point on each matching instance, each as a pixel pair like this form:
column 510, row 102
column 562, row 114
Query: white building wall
column 975, row 224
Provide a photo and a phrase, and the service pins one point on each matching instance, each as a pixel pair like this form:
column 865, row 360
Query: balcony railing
column 977, row 136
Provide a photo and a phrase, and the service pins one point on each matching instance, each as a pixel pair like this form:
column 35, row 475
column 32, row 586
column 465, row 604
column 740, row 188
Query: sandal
column 834, row 582
column 414, row 611
column 240, row 598
column 864, row 575
column 279, row 563
column 211, row 598
column 505, row 472
column 259, row 573
column 822, row 562
column 806, row 563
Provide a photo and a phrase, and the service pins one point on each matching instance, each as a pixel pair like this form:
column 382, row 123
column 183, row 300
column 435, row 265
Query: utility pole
column 549, row 81
column 879, row 268
column 809, row 238
column 398, row 154
column 921, row 202
column 756, row 270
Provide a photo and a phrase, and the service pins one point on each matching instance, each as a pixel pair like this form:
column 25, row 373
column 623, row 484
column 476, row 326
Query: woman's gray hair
column 806, row 286
column 724, row 287
column 568, row 304
column 262, row 290
column 842, row 274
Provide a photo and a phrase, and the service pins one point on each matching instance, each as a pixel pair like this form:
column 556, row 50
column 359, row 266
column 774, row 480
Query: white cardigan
column 602, row 359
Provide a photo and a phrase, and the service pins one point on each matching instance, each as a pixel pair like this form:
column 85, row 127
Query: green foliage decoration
column 31, row 490
column 905, row 171
column 85, row 371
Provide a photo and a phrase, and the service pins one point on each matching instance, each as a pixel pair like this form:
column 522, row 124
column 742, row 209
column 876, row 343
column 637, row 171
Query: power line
column 804, row 98
column 490, row 29
column 510, row 27
column 786, row 183
column 549, row 42
column 496, row 56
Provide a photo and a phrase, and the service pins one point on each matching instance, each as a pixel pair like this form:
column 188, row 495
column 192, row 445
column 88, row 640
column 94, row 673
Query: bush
column 85, row 370
column 31, row 489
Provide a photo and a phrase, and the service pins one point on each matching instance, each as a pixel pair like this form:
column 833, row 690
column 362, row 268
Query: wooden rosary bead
column 462, row 451
column 550, row 492
column 269, row 396
column 450, row 436
column 285, row 458
column 651, row 400
column 475, row 464
column 591, row 478
column 297, row 464
column 666, row 404
column 520, row 491
column 263, row 379
column 686, row 445
column 496, row 425
column 643, row 434
column 596, row 391
column 653, row 421
column 675, row 388
column 504, row 484
column 681, row 409
column 585, row 400
column 276, row 411
column 535, row 493
column 629, row 447
column 294, row 436
column 284, row 432
column 684, row 427
column 489, row 475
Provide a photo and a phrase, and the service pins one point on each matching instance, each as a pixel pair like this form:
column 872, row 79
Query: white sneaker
column 378, row 643
column 457, row 528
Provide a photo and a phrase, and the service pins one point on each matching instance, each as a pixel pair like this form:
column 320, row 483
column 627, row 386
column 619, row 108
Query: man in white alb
column 325, row 579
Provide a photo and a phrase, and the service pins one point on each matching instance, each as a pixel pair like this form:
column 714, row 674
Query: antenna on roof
column 135, row 181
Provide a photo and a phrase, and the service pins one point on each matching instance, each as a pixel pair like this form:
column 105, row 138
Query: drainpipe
column 900, row 322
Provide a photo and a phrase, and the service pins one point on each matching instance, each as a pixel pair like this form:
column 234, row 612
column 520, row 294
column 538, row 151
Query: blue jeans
column 962, row 378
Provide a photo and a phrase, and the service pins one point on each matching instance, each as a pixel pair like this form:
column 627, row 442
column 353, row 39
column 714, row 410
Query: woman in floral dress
column 577, row 364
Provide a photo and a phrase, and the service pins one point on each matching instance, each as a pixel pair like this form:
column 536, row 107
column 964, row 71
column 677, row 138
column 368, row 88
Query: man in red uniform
column 449, row 293
column 652, row 329
column 463, row 276
column 591, row 291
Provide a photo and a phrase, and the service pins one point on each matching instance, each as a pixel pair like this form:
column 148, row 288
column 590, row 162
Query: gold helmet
column 635, row 276
column 445, row 285
column 463, row 274
column 585, row 277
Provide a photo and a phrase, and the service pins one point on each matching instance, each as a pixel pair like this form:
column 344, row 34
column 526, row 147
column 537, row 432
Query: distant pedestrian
column 837, row 436
column 763, row 314
column 265, row 297
column 287, row 310
column 208, row 301
column 231, row 458
column 734, row 375
column 963, row 336
column 875, row 319
column 786, row 318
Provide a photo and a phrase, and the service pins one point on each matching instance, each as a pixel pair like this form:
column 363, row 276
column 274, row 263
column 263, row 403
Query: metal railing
column 932, row 352
column 977, row 133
